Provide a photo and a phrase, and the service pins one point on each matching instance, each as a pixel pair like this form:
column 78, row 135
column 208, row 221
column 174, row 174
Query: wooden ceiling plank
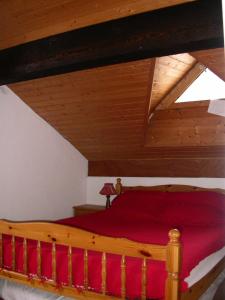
column 24, row 21
column 158, row 168
column 193, row 26
column 168, row 71
column 187, row 152
column 186, row 127
column 182, row 112
column 181, row 86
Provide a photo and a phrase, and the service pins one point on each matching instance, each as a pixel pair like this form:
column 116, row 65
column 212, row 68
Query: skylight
column 207, row 86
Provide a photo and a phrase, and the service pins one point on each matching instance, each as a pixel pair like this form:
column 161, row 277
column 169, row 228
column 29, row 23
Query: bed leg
column 173, row 266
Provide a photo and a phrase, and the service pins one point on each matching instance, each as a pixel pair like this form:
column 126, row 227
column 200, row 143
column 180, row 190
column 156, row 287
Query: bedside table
column 86, row 209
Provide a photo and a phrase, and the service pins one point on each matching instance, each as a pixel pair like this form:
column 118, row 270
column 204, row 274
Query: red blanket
column 140, row 216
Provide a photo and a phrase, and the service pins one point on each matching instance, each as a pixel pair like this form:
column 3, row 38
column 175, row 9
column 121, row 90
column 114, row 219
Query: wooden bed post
column 118, row 186
column 173, row 266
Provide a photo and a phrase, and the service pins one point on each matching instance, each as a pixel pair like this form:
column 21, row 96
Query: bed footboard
column 56, row 234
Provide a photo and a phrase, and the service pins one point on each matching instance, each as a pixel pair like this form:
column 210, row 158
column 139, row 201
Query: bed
column 75, row 257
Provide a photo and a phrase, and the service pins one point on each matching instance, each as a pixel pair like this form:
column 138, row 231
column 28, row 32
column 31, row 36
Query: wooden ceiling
column 168, row 71
column 22, row 21
column 213, row 59
column 102, row 111
column 186, row 126
column 124, row 112
column 98, row 111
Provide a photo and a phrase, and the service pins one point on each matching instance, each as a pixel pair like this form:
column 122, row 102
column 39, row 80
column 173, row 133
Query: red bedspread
column 140, row 216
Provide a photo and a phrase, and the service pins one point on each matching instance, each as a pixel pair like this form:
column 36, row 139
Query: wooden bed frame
column 73, row 237
column 202, row 285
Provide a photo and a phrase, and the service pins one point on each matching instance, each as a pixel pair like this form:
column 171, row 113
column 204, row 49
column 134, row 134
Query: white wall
column 41, row 174
column 94, row 184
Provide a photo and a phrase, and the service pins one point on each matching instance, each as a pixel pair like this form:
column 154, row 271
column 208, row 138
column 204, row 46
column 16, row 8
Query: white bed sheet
column 204, row 267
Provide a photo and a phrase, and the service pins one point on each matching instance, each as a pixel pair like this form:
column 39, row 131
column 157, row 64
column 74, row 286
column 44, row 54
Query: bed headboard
column 164, row 188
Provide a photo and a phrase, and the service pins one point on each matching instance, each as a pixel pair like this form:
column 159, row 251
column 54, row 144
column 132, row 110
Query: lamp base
column 108, row 204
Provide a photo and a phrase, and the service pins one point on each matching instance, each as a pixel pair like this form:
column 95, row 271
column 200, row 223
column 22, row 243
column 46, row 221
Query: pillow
column 142, row 202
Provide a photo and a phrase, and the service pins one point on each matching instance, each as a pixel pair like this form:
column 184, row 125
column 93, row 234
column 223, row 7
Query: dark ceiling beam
column 189, row 27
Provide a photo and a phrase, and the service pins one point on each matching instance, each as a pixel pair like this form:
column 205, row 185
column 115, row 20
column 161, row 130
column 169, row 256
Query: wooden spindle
column 25, row 256
column 123, row 277
column 103, row 273
column 54, row 262
column 173, row 266
column 1, row 251
column 144, row 279
column 70, row 274
column 39, row 259
column 85, row 269
column 13, row 253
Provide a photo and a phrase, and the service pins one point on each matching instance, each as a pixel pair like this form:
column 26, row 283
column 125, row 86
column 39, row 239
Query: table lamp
column 108, row 190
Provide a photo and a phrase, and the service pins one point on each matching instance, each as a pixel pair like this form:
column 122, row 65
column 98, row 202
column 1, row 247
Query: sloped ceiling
column 22, row 21
column 214, row 59
column 115, row 113
column 99, row 111
column 103, row 112
column 168, row 71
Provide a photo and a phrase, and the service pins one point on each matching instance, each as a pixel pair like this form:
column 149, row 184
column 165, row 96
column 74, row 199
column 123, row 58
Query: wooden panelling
column 212, row 59
column 159, row 168
column 118, row 152
column 182, row 28
column 93, row 109
column 180, row 86
column 102, row 112
column 22, row 21
column 185, row 127
column 168, row 71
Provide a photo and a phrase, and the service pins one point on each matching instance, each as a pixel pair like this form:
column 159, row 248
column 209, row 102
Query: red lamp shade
column 108, row 189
